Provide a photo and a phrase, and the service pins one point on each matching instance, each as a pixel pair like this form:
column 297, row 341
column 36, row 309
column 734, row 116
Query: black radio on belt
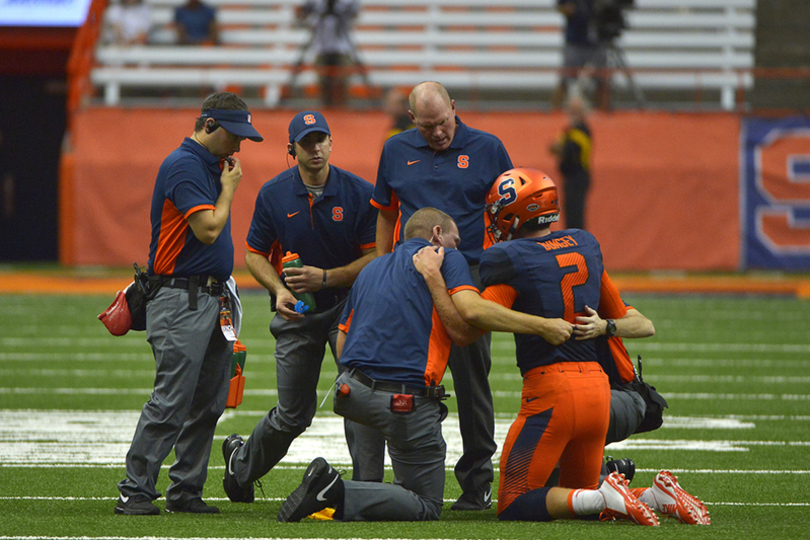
column 436, row 392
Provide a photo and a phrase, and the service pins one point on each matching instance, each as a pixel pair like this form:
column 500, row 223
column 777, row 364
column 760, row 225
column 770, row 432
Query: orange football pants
column 564, row 415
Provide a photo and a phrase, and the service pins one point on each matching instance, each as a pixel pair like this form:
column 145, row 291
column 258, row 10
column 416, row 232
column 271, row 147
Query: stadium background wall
column 665, row 194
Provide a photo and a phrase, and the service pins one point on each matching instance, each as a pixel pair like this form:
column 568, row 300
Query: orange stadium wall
column 665, row 192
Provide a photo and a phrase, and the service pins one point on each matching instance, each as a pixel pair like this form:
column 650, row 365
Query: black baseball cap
column 237, row 122
column 305, row 123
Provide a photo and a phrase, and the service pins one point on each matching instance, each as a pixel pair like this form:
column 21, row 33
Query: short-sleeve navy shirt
column 187, row 182
column 329, row 231
column 455, row 181
column 393, row 332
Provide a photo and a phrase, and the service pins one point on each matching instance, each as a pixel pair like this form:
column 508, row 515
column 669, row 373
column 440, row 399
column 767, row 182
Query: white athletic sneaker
column 620, row 503
column 673, row 501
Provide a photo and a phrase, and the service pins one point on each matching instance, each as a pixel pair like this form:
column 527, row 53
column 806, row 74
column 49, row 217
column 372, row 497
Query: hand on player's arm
column 632, row 325
column 428, row 262
column 467, row 316
column 261, row 269
column 492, row 316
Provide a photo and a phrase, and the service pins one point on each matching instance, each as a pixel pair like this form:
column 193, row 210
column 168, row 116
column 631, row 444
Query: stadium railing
column 466, row 44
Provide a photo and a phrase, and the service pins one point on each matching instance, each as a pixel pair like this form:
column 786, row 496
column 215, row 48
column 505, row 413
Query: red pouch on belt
column 117, row 318
column 401, row 403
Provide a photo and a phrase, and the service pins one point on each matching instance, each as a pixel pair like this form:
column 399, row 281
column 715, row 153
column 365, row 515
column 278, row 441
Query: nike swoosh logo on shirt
column 530, row 399
column 293, row 214
column 124, row 499
column 414, row 161
column 322, row 492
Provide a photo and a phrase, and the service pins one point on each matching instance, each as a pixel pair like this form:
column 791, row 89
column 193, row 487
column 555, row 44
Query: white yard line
column 70, row 438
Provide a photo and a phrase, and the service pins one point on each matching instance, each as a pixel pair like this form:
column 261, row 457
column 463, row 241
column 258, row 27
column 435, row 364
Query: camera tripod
column 614, row 60
column 329, row 70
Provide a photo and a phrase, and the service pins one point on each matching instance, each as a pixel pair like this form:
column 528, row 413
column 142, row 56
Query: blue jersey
column 326, row 232
column 394, row 333
column 554, row 276
column 411, row 175
column 187, row 182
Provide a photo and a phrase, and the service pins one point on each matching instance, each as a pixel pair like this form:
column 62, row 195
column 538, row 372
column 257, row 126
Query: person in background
column 330, row 22
column 573, row 151
column 582, row 50
column 396, row 106
column 128, row 23
column 196, row 24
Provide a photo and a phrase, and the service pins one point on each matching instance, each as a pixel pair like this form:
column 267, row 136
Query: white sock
column 585, row 502
column 648, row 497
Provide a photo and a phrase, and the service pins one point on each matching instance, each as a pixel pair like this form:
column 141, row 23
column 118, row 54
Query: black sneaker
column 321, row 488
column 472, row 501
column 191, row 506
column 233, row 490
column 624, row 466
column 136, row 505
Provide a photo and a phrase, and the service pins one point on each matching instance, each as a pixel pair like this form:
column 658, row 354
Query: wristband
column 610, row 327
column 323, row 284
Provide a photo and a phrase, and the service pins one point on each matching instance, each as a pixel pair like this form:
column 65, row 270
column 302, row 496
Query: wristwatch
column 610, row 329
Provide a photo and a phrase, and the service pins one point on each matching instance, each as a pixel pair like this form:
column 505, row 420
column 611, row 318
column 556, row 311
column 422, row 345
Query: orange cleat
column 673, row 501
column 620, row 503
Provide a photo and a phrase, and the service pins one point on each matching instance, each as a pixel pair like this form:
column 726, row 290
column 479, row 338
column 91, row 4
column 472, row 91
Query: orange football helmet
column 518, row 196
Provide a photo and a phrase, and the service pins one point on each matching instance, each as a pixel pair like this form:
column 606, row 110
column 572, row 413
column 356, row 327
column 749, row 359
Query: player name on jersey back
column 559, row 243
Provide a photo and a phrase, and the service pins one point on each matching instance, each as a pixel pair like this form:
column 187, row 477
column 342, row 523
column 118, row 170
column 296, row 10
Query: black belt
column 215, row 289
column 193, row 284
column 436, row 392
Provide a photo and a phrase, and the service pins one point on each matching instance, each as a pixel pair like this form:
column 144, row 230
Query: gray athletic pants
column 416, row 448
column 192, row 369
column 627, row 409
column 470, row 367
column 300, row 348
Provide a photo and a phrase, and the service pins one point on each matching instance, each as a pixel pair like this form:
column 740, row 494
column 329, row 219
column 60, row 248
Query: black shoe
column 136, row 505
column 191, row 506
column 472, row 501
column 321, row 488
column 233, row 490
column 624, row 466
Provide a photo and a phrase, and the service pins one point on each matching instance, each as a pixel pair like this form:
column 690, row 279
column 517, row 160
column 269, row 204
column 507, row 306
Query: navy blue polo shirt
column 411, row 175
column 187, row 182
column 393, row 331
column 327, row 232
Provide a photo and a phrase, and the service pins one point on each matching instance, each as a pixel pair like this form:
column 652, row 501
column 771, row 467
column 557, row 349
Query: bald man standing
column 445, row 164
